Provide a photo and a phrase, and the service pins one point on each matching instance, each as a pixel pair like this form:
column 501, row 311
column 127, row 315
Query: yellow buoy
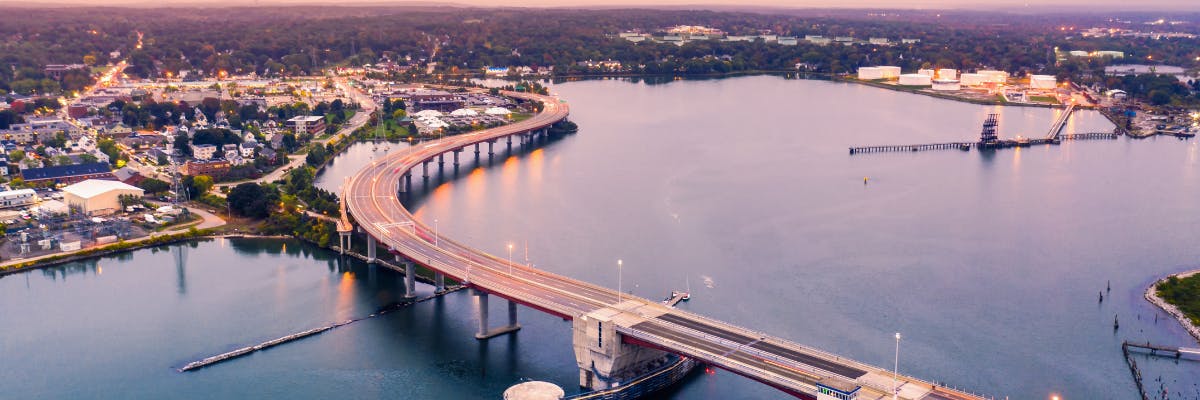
column 865, row 180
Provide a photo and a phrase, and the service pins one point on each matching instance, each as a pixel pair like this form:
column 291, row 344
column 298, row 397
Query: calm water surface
column 989, row 263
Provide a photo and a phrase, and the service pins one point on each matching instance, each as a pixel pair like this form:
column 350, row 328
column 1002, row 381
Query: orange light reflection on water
column 345, row 295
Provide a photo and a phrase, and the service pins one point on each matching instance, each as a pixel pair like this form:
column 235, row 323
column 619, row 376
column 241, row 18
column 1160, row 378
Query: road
column 372, row 198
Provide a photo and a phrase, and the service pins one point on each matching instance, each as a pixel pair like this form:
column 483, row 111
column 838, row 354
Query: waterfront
column 988, row 262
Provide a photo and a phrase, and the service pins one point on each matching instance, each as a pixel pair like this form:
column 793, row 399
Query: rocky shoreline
column 1152, row 296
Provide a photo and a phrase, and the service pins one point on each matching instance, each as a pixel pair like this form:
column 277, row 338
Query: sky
column 1066, row 5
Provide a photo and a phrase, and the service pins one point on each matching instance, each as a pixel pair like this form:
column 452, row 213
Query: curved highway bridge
column 616, row 336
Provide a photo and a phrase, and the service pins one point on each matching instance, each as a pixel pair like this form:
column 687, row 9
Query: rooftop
column 59, row 171
column 95, row 187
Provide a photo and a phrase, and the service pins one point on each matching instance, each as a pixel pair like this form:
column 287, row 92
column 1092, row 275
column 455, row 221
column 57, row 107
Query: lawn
column 1183, row 293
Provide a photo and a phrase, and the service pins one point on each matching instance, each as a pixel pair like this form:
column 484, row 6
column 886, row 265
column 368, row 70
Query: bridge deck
column 371, row 196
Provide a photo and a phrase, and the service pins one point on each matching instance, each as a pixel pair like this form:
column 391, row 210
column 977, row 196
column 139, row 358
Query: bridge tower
column 987, row 137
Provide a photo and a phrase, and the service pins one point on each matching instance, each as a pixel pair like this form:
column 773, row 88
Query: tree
column 316, row 156
column 202, row 184
column 252, row 200
column 87, row 158
column 109, row 148
column 127, row 200
column 151, row 185
column 16, row 156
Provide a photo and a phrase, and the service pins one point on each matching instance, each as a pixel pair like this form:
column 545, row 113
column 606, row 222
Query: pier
column 219, row 358
column 989, row 140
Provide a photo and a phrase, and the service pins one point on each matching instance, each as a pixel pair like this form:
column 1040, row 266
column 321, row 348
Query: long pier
column 999, row 144
column 226, row 356
column 1060, row 122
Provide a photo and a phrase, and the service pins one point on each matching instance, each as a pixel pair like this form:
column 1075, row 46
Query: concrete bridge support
column 441, row 161
column 509, row 143
column 343, row 241
column 477, row 152
column 484, row 333
column 439, row 282
column 370, row 249
column 425, row 170
column 604, row 360
column 491, row 152
column 410, row 277
column 407, row 182
column 456, row 157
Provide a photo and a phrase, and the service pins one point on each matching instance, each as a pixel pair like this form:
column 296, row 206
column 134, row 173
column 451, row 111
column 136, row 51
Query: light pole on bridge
column 510, row 259
column 896, row 367
column 619, row 280
column 435, row 233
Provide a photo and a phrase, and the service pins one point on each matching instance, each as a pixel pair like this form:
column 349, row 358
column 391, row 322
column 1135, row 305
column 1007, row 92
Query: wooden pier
column 1165, row 351
column 914, row 147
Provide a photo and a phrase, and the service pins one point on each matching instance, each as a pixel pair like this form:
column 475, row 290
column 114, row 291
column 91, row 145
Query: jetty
column 988, row 139
column 226, row 356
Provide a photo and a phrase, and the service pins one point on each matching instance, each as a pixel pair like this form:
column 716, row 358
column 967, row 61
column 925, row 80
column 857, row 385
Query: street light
column 510, row 259
column 435, row 233
column 896, row 367
column 619, row 280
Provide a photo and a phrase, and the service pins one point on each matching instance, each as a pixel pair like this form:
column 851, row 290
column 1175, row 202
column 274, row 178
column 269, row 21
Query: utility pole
column 619, row 280
column 896, row 367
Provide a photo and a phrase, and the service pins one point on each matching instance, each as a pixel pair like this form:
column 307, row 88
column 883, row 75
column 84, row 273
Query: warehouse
column 1042, row 82
column 870, row 73
column 96, row 196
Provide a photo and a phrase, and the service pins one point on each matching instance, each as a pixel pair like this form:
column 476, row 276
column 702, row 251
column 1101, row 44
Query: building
column 436, row 100
column 214, row 168
column 129, row 176
column 972, row 79
column 890, row 72
column 203, row 152
column 915, row 80
column 311, row 124
column 57, row 71
column 18, row 198
column 947, row 73
column 927, row 72
column 1042, row 82
column 68, row 174
column 946, row 85
column 994, row 76
column 870, row 73
column 94, row 196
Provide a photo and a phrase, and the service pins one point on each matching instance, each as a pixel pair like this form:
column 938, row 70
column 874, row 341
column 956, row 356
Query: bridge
column 615, row 335
column 1060, row 122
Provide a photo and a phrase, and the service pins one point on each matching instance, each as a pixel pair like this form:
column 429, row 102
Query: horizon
column 1057, row 6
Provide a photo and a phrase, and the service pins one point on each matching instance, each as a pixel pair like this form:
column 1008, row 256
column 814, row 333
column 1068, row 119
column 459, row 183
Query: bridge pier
column 491, row 152
column 343, row 241
column 407, row 182
column 370, row 249
column 410, row 277
column 439, row 282
column 456, row 151
column 425, row 169
column 605, row 361
column 476, row 152
column 441, row 161
column 509, row 144
column 484, row 333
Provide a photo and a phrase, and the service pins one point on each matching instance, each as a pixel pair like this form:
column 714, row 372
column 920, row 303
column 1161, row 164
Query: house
column 247, row 148
column 129, row 176
column 68, row 173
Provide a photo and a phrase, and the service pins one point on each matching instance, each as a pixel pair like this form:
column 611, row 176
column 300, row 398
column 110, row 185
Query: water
column 989, row 263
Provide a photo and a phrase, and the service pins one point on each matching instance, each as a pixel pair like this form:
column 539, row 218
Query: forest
column 304, row 40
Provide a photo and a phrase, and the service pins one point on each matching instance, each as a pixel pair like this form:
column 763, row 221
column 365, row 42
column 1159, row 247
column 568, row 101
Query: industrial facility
column 98, row 197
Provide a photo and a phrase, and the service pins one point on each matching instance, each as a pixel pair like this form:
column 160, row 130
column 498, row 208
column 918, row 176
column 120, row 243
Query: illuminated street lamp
column 619, row 280
column 896, row 367
column 510, row 258
column 435, row 233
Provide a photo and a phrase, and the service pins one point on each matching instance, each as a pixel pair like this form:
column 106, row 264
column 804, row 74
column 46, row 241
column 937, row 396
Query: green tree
column 252, row 200
column 151, row 185
column 202, row 183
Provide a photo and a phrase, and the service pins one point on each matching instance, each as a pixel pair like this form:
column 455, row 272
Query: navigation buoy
column 1101, row 297
column 865, row 180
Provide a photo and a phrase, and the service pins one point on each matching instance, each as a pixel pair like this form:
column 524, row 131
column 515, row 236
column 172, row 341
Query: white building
column 994, row 76
column 96, row 196
column 926, row 72
column 946, row 85
column 947, row 73
column 890, row 72
column 915, row 80
column 203, row 152
column 870, row 73
column 1042, row 82
column 972, row 79
column 17, row 198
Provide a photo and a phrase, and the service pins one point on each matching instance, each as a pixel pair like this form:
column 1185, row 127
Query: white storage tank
column 534, row 390
column 915, row 80
column 1042, row 82
column 947, row 73
column 926, row 72
column 946, row 85
column 870, row 73
column 890, row 72
column 972, row 79
column 994, row 75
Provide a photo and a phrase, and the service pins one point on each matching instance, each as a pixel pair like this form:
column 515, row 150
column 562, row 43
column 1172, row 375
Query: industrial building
column 95, row 196
column 1042, row 82
column 946, row 85
column 926, row 72
column 994, row 76
column 975, row 79
column 870, row 73
column 947, row 73
column 68, row 174
column 890, row 72
column 17, row 198
column 915, row 80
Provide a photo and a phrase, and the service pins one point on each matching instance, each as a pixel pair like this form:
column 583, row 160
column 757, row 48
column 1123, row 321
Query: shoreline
column 948, row 96
column 1151, row 295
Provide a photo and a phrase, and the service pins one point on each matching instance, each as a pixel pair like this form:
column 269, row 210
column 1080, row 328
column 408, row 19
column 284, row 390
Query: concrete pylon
column 410, row 277
column 439, row 282
column 605, row 361
column 370, row 249
column 484, row 333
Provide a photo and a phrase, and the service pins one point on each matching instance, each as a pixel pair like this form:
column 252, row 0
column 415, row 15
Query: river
column 990, row 264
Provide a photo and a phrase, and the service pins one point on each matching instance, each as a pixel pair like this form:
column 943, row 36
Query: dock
column 988, row 139
column 914, row 147
column 226, row 356
column 676, row 298
column 1165, row 351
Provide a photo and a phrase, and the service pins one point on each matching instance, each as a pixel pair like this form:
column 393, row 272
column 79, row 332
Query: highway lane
column 372, row 198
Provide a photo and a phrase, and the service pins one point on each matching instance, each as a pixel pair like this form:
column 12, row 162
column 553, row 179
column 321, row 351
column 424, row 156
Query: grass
column 518, row 117
column 1044, row 99
column 1183, row 293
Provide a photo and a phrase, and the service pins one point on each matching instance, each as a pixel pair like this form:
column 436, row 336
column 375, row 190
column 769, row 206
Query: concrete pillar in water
column 425, row 169
column 509, row 143
column 490, row 151
column 441, row 161
column 439, row 282
column 484, row 333
column 370, row 248
column 343, row 241
column 456, row 157
column 410, row 277
column 407, row 182
column 477, row 150
column 601, row 354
